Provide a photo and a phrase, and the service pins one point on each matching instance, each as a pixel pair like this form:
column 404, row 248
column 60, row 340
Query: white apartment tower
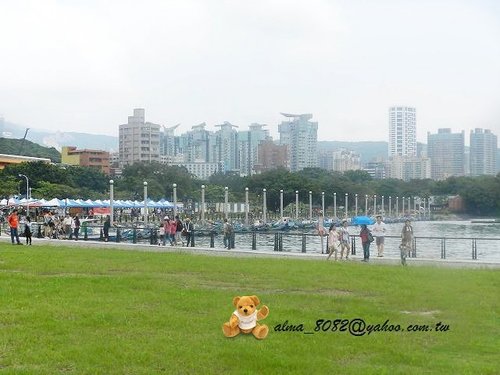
column 402, row 131
column 301, row 138
column 139, row 141
column 483, row 152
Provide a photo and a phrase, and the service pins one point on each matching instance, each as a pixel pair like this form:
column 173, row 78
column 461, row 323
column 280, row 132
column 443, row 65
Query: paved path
column 258, row 253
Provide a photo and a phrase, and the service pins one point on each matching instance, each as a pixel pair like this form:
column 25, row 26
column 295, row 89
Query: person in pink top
column 172, row 230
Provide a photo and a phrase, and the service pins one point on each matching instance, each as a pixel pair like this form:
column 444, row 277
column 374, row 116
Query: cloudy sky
column 84, row 65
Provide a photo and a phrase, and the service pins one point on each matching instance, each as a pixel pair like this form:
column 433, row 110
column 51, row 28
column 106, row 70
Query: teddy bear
column 244, row 318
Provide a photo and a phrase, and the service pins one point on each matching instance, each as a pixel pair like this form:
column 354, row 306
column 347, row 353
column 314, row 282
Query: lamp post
column 310, row 205
column 264, row 205
column 281, row 204
column 296, row 205
column 375, row 204
column 409, row 205
column 202, row 203
column 145, row 203
column 27, row 193
column 226, row 199
column 397, row 206
column 390, row 206
column 246, row 206
column 403, row 206
column 366, row 204
column 356, row 204
column 382, row 211
column 323, row 203
column 346, row 208
column 335, row 205
column 111, row 201
column 175, row 199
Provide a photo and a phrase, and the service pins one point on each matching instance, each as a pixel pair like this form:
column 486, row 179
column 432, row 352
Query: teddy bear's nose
column 245, row 310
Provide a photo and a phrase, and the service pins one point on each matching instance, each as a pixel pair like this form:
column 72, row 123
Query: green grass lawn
column 100, row 311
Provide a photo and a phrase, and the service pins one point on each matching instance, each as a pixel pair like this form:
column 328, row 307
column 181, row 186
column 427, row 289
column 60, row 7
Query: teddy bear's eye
column 251, row 306
column 240, row 307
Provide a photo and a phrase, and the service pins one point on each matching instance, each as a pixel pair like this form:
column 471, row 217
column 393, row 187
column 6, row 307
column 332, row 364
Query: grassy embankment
column 94, row 311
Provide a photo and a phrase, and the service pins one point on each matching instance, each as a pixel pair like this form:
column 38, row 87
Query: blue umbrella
column 358, row 220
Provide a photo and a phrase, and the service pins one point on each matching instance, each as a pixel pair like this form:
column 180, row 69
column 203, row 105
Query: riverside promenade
column 389, row 261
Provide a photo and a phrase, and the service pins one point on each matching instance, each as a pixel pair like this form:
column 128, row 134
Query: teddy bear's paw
column 230, row 331
column 261, row 331
column 263, row 312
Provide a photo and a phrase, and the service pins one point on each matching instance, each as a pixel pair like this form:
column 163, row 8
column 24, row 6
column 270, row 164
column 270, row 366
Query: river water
column 429, row 235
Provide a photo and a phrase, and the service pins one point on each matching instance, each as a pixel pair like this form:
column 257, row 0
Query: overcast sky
column 73, row 65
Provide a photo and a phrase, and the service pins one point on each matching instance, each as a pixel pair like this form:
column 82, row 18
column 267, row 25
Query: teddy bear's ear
column 236, row 300
column 255, row 300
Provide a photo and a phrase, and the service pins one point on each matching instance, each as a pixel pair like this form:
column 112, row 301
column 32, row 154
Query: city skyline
column 190, row 62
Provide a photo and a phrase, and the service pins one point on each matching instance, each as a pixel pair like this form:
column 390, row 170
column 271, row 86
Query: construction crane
column 22, row 142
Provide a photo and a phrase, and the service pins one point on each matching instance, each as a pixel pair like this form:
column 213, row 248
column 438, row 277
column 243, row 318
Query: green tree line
column 481, row 194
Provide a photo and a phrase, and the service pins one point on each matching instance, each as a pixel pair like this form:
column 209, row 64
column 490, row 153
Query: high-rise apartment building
column 447, row 153
column 483, row 152
column 226, row 147
column 248, row 144
column 301, row 138
column 139, row 141
column 402, row 131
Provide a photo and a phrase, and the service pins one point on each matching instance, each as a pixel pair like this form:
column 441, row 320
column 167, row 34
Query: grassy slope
column 69, row 310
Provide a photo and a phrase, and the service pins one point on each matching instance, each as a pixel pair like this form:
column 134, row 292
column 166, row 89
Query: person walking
column 333, row 241
column 406, row 241
column 345, row 240
column 13, row 220
column 67, row 221
column 28, row 230
column 378, row 231
column 364, row 234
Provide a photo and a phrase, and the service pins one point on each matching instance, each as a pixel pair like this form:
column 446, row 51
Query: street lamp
column 27, row 193
column 175, row 199
column 281, row 204
column 390, row 206
column 335, row 205
column 323, row 203
column 375, row 204
column 356, row 204
column 346, row 208
column 111, row 199
column 246, row 206
column 382, row 209
column 202, row 203
column 310, row 205
column 296, row 205
column 366, row 204
column 264, row 205
column 145, row 203
column 226, row 200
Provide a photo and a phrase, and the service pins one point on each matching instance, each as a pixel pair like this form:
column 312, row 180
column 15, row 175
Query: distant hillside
column 367, row 150
column 59, row 139
column 16, row 147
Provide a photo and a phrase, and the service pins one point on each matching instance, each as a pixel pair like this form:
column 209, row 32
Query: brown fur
column 246, row 306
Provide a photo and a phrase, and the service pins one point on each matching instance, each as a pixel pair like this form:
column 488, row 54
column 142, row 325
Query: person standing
column 364, row 234
column 76, row 227
column 13, row 220
column 178, row 230
column 379, row 230
column 406, row 241
column 227, row 231
column 333, row 241
column 345, row 240
column 67, row 221
column 105, row 228
column 172, row 229
column 28, row 230
column 188, row 225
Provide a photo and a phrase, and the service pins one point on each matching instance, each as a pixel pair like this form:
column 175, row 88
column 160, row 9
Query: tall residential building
column 301, row 138
column 340, row 160
column 226, row 147
column 402, row 131
column 198, row 145
column 447, row 153
column 169, row 143
column 483, row 152
column 139, row 141
column 248, row 144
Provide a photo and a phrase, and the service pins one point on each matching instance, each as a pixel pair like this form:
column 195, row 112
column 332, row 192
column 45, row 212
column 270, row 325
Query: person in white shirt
column 378, row 231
